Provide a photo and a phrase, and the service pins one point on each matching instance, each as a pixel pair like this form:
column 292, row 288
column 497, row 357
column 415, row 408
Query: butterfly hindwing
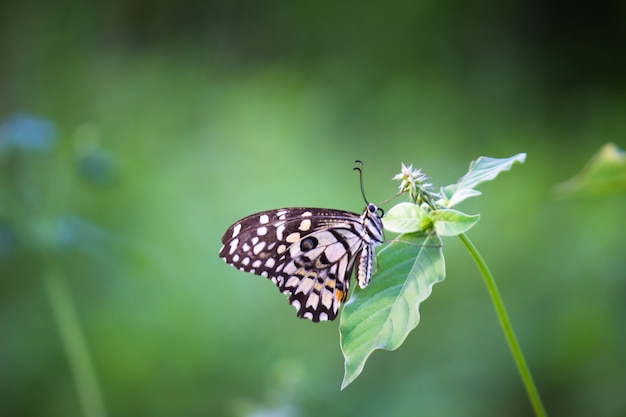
column 317, row 271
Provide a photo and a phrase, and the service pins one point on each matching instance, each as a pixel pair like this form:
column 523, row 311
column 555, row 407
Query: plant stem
column 73, row 341
column 507, row 328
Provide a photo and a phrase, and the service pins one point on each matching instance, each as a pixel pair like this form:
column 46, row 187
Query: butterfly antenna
column 398, row 194
column 360, row 169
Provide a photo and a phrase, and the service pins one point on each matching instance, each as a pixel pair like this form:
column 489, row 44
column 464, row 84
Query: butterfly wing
column 309, row 253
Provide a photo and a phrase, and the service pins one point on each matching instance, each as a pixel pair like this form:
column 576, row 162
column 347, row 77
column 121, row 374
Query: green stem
column 509, row 334
column 73, row 341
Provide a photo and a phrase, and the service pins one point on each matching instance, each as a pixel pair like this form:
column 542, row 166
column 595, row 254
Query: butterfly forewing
column 309, row 253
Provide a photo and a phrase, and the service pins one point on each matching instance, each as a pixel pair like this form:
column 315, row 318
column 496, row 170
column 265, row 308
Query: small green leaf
column 382, row 315
column 450, row 222
column 605, row 173
column 481, row 170
column 406, row 218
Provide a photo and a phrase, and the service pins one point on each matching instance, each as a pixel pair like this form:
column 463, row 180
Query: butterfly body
column 309, row 253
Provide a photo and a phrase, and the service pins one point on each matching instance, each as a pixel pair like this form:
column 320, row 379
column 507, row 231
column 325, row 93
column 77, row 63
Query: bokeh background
column 133, row 133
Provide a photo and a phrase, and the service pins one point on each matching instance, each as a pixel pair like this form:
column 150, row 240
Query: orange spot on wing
column 340, row 295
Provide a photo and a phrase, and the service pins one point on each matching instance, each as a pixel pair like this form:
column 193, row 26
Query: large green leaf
column 481, row 170
column 382, row 315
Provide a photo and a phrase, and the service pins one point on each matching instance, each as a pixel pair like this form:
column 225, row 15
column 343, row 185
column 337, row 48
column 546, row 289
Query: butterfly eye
column 371, row 208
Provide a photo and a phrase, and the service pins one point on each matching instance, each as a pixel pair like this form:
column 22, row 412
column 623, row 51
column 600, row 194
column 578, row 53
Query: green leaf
column 450, row 222
column 406, row 218
column 481, row 170
column 382, row 315
column 604, row 173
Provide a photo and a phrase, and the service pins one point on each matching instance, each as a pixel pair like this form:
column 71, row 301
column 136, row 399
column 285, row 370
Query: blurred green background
column 133, row 133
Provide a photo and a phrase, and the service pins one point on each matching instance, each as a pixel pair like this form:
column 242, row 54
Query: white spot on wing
column 264, row 219
column 305, row 225
column 290, row 268
column 258, row 248
column 279, row 232
column 236, row 229
column 233, row 246
column 293, row 237
column 306, row 286
column 313, row 300
column 292, row 281
column 327, row 298
column 261, row 230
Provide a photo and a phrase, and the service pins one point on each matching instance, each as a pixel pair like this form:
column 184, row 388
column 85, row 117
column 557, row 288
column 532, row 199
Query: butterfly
column 308, row 253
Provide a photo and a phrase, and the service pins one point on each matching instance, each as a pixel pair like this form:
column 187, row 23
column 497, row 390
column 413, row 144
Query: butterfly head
column 373, row 224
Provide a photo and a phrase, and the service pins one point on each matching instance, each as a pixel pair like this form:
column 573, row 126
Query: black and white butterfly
column 309, row 253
